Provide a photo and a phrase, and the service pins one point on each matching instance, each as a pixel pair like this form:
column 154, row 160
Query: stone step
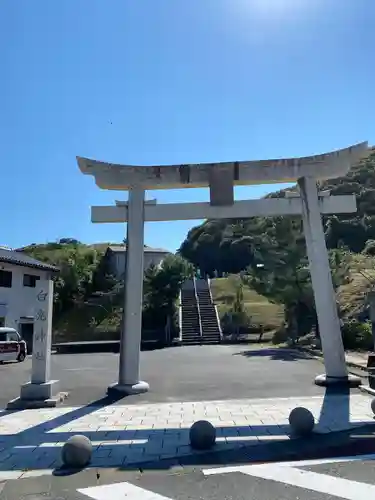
column 207, row 342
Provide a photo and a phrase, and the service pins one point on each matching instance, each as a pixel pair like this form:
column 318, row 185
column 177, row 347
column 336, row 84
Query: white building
column 23, row 288
column 116, row 255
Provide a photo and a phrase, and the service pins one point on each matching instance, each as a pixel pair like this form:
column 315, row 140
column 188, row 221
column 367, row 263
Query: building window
column 5, row 279
column 30, row 280
column 2, row 321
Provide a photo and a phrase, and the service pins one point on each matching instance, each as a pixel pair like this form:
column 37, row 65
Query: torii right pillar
column 324, row 294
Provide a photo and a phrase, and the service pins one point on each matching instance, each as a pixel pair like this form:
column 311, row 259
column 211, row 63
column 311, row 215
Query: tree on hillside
column 284, row 278
column 69, row 241
column 236, row 318
column 77, row 263
column 225, row 246
column 74, row 282
column 161, row 289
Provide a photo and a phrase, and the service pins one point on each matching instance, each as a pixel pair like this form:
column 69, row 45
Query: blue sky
column 169, row 81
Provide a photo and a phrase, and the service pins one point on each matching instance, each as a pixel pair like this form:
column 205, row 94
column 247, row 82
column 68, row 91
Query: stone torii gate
column 221, row 178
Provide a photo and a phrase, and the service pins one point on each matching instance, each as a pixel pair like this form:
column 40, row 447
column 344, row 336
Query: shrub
column 357, row 335
column 280, row 336
column 233, row 323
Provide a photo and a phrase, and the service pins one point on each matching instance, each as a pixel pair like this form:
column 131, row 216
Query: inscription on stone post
column 42, row 333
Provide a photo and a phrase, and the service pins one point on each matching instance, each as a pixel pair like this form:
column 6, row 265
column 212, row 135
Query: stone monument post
column 41, row 391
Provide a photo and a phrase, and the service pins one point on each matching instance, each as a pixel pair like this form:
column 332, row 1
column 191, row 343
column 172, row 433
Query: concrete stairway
column 191, row 332
column 199, row 323
column 209, row 321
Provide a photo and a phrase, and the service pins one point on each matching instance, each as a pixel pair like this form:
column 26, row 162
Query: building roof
column 21, row 259
column 122, row 248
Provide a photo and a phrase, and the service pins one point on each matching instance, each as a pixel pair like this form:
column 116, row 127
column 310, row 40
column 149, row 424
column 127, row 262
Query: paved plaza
column 127, row 435
column 196, row 373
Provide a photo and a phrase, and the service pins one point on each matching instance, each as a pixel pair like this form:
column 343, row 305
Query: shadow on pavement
column 359, row 441
column 276, row 354
column 337, row 406
column 39, row 447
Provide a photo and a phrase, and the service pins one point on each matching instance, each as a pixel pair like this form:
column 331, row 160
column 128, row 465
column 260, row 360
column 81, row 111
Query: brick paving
column 122, row 435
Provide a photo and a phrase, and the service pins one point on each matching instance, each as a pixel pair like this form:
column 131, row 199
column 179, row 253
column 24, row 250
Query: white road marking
column 302, row 463
column 122, row 491
column 288, row 473
column 321, row 461
column 9, row 475
column 36, row 473
column 313, row 481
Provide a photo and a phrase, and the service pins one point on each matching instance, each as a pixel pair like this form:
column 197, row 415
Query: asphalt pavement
column 193, row 373
column 323, row 479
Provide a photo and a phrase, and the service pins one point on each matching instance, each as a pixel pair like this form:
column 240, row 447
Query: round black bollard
column 76, row 452
column 202, row 435
column 301, row 421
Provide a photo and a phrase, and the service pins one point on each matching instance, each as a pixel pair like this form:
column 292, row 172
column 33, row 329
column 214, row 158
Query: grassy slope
column 351, row 296
column 259, row 308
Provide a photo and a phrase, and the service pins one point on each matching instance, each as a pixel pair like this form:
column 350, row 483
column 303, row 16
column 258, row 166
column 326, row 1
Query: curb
column 313, row 353
column 333, row 445
column 367, row 389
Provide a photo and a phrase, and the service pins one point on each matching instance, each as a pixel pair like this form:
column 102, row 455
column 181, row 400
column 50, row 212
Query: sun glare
column 273, row 8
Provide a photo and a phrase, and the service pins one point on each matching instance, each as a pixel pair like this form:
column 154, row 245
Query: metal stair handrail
column 198, row 307
column 215, row 307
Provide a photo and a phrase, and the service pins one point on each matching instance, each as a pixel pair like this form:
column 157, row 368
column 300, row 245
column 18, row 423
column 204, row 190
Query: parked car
column 12, row 346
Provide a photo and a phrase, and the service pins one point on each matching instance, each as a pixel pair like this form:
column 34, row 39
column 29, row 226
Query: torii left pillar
column 130, row 343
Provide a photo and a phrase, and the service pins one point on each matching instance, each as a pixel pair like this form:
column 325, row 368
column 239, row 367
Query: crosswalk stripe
column 298, row 463
column 121, row 491
column 290, row 473
column 313, row 481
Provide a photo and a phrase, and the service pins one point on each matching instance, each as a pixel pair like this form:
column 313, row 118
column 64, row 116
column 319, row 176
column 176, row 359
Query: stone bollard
column 301, row 421
column 76, row 452
column 202, row 435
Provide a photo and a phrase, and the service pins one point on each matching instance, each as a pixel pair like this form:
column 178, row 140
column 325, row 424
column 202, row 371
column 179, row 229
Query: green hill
column 229, row 246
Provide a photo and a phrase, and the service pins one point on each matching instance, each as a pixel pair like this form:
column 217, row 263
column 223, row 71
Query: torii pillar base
column 338, row 382
column 127, row 390
column 35, row 396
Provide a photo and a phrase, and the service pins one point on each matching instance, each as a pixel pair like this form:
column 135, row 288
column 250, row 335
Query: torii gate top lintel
column 123, row 177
